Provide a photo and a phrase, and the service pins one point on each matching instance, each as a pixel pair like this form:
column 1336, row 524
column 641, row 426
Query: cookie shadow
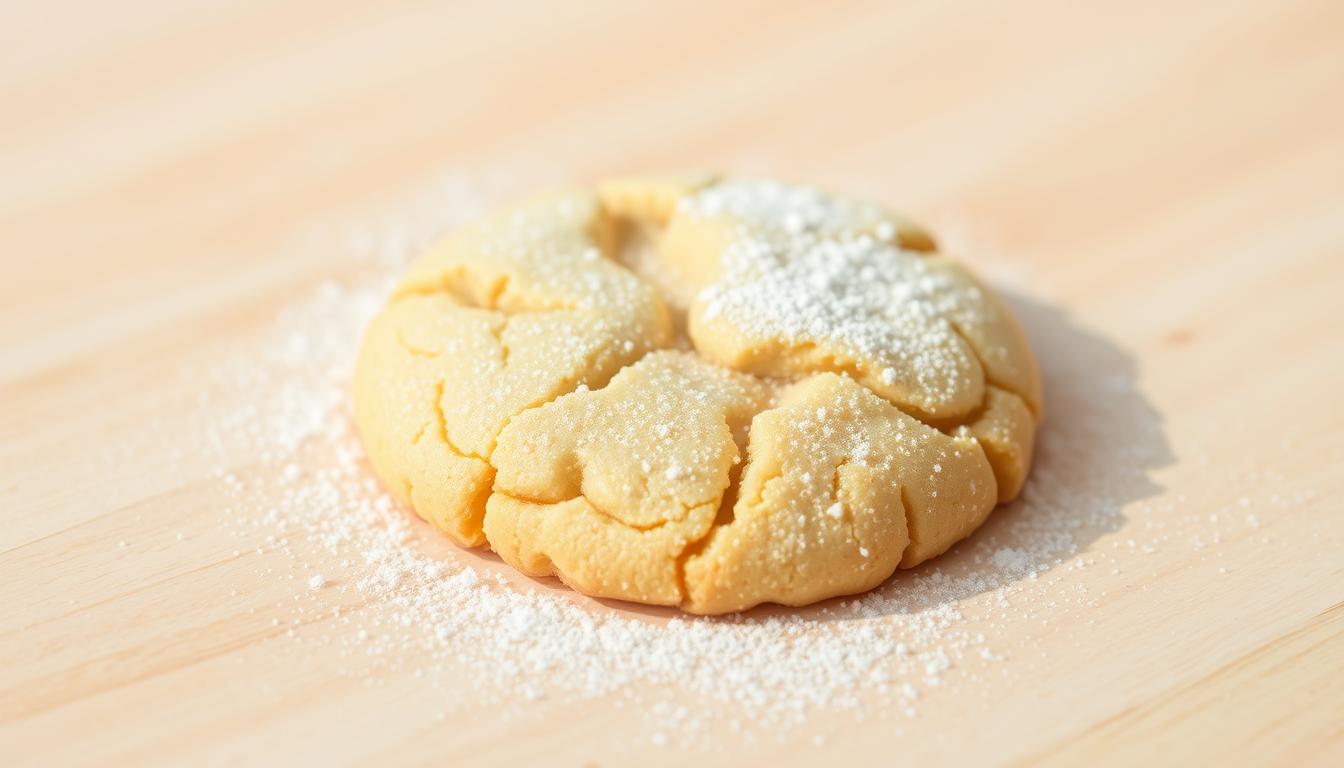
column 1096, row 450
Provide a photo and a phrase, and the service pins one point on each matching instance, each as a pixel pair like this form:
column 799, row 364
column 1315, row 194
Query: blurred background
column 164, row 143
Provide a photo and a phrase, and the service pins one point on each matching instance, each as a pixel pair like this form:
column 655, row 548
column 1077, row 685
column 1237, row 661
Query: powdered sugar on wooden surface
column 381, row 586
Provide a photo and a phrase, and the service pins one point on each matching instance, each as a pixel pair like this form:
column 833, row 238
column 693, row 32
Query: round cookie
column 695, row 391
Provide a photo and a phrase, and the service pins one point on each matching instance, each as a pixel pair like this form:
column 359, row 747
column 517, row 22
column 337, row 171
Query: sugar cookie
column 701, row 392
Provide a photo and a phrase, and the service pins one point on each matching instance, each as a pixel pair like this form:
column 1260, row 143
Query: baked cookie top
column 695, row 391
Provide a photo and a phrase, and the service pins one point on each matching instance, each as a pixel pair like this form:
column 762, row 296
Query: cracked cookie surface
column 701, row 392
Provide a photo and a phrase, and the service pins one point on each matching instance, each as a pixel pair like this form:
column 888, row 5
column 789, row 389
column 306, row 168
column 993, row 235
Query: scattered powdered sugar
column 1011, row 560
column 393, row 596
column 436, row 612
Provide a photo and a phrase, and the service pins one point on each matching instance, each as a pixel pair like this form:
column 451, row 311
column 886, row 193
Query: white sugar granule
column 1012, row 560
column 281, row 403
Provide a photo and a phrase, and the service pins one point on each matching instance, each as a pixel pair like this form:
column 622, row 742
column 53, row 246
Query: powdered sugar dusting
column 456, row 620
column 822, row 275
column 869, row 301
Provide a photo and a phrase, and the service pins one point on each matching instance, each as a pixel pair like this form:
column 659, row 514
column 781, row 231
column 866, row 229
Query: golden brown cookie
column 694, row 391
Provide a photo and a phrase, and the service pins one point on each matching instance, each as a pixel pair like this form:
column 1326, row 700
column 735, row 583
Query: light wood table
column 1161, row 186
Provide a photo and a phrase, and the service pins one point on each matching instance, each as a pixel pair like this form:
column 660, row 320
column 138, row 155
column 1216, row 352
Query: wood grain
column 1159, row 186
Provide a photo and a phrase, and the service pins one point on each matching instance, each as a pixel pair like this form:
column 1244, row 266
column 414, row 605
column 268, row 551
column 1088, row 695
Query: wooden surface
column 1160, row 184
